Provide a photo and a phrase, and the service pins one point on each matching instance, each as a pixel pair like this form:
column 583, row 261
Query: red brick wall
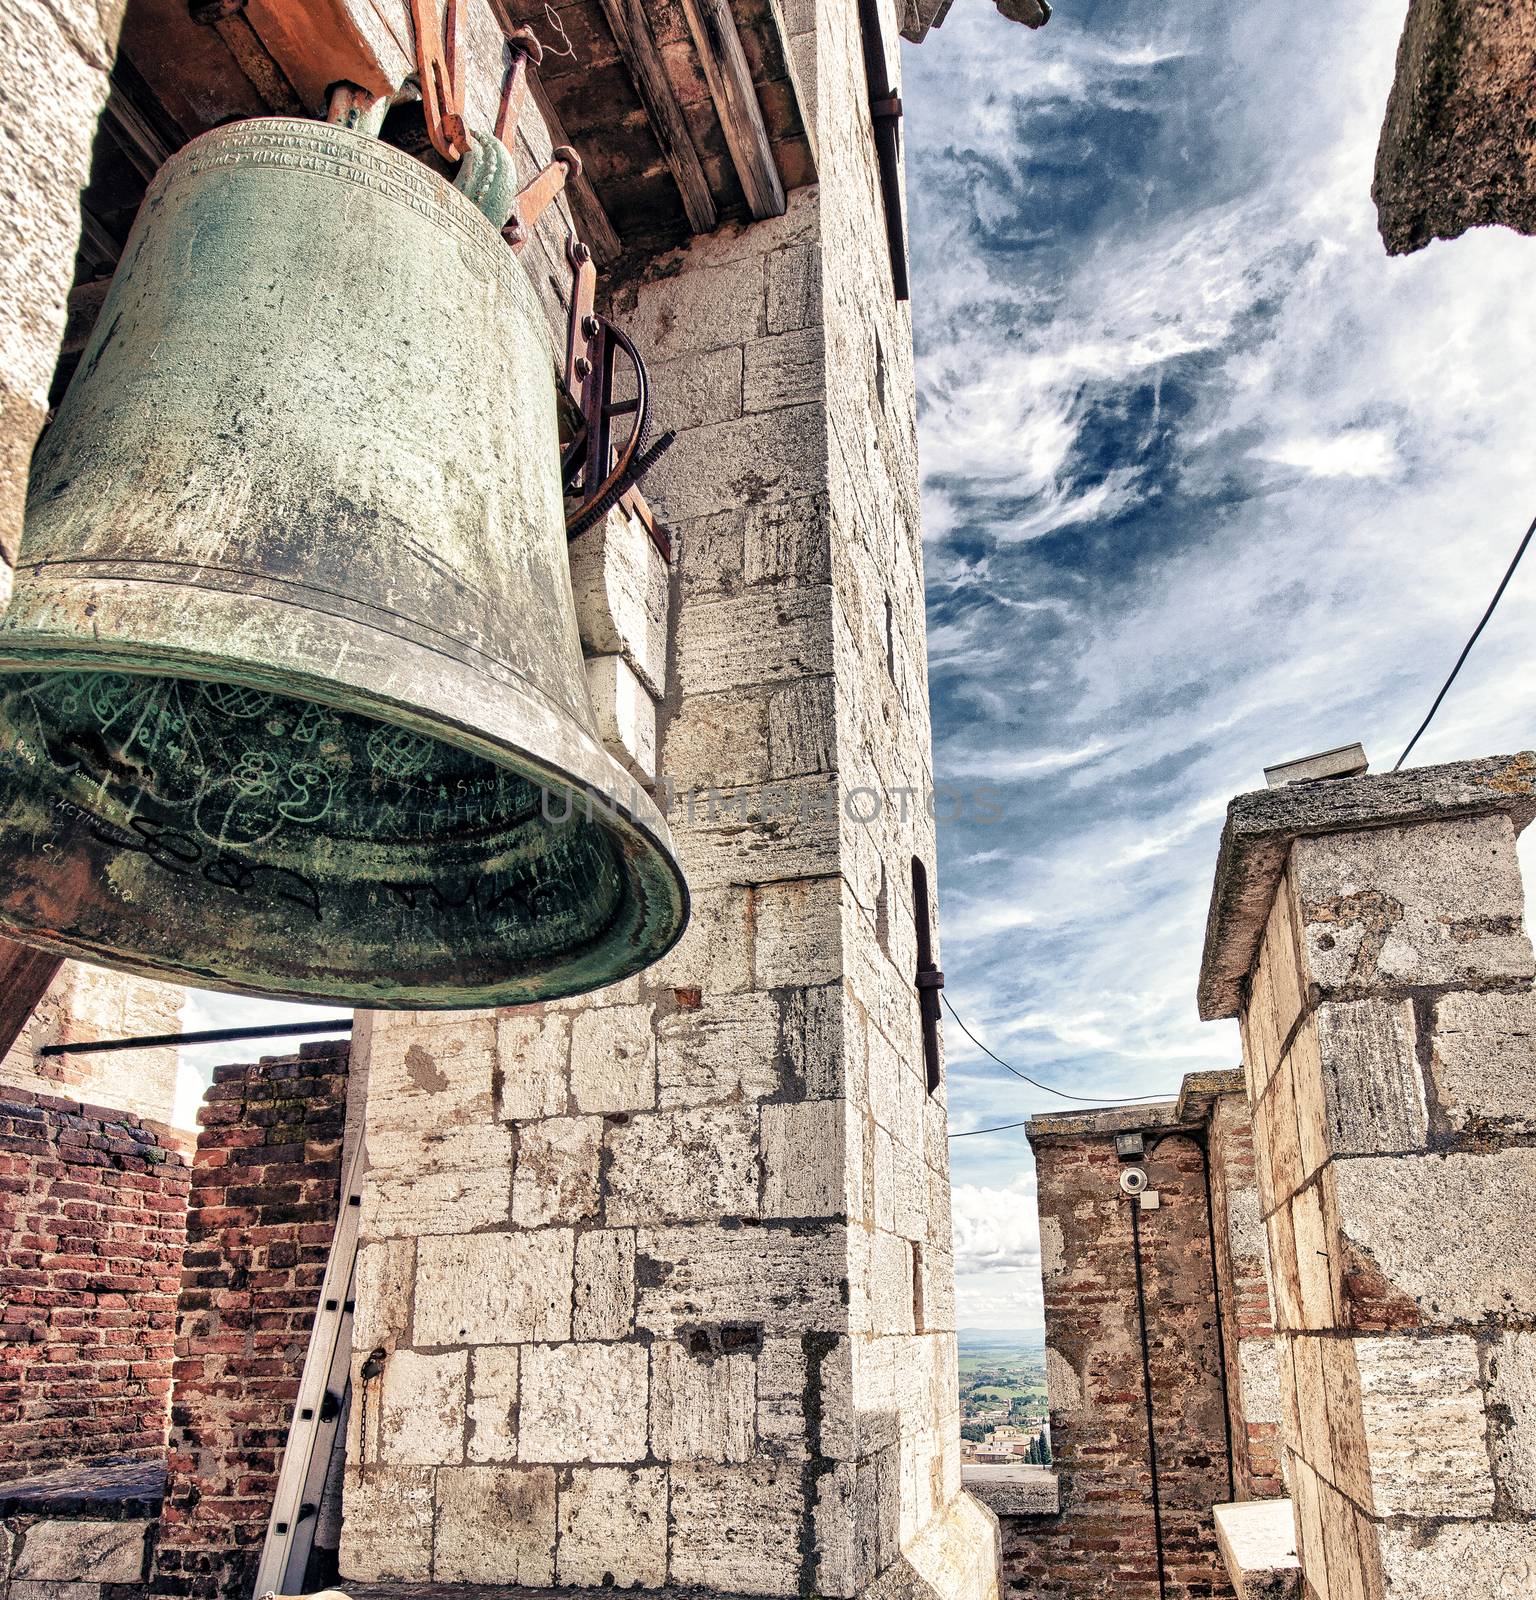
column 266, row 1183
column 1103, row 1541
column 92, row 1216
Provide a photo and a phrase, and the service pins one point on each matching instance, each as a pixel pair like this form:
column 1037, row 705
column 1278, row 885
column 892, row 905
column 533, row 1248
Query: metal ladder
column 317, row 1428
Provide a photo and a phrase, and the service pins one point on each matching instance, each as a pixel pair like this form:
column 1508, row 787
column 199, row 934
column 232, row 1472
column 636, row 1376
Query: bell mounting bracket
column 596, row 474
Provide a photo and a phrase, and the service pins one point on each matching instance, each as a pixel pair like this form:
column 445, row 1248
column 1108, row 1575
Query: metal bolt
column 590, row 325
column 583, row 366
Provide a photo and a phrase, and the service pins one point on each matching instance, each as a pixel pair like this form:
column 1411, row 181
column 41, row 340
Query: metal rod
column 1146, row 1389
column 276, row 1030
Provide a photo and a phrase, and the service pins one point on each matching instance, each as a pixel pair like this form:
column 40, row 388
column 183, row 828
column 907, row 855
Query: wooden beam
column 730, row 85
column 593, row 225
column 637, row 47
column 24, row 978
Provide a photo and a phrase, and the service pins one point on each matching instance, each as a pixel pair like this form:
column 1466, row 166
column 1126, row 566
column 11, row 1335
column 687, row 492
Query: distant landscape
column 1002, row 1391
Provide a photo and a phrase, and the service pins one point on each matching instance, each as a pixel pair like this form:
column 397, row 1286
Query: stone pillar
column 1120, row 1529
column 662, row 1276
column 1458, row 145
column 1367, row 932
column 54, row 60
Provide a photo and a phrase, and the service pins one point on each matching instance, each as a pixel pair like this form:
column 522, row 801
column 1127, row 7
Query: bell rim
column 639, row 838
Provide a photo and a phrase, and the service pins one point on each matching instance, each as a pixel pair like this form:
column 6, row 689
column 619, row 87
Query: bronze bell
column 291, row 693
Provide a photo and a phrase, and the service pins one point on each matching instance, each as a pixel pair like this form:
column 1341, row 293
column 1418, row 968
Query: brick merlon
column 1261, row 826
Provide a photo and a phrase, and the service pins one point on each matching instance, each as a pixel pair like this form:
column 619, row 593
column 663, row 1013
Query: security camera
column 1133, row 1180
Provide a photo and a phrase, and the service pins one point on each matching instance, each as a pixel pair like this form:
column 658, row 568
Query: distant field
column 999, row 1369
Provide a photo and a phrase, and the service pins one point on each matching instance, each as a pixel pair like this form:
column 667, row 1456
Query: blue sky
column 1209, row 482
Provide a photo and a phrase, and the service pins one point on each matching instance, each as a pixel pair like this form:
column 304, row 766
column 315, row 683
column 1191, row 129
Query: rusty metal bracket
column 437, row 64
column 538, row 194
column 525, row 53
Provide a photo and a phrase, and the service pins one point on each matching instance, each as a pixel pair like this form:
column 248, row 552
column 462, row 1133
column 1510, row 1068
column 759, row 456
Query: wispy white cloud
column 1171, row 383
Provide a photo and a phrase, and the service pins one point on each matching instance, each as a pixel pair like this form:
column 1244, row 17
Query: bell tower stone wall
column 661, row 1277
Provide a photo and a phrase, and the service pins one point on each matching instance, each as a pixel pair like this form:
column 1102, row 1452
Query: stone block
column 1479, row 1560
column 583, row 1402
column 1309, row 1098
column 82, row 1550
column 1436, row 1239
column 704, row 308
column 620, row 584
column 760, row 835
column 800, row 932
column 492, row 1404
column 824, row 1063
column 715, row 954
column 421, row 1409
column 1370, row 1076
column 50, row 1588
column 1512, row 1412
column 807, row 1146
column 382, row 1292
column 1277, row 1126
column 889, row 1286
column 1014, row 1491
column 787, row 542
column 760, row 637
column 737, row 1528
column 794, row 288
column 683, row 1165
column 785, row 1278
column 724, row 1052
column 1440, row 902
column 1314, row 1276
column 437, row 1181
column 386, row 1532
column 533, row 1052
column 1425, row 1432
column 1346, row 1541
column 1257, row 1539
column 781, row 1397
column 494, row 1288
column 556, row 1175
column 770, row 455
column 1345, row 1420
column 430, row 1076
column 703, row 1406
column 613, row 1059
column 802, row 728
column 713, row 742
column 605, row 1284
column 1312, row 1404
column 1483, row 1061
column 495, row 1525
column 785, row 369
column 1310, row 1546
column 625, row 715
column 694, row 390
column 613, row 1528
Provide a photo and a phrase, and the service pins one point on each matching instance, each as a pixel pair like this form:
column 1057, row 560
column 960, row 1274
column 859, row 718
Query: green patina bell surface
column 291, row 693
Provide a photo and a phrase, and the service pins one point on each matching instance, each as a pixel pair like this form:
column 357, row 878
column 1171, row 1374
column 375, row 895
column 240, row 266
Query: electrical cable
column 1081, row 1099
column 970, row 1133
column 1498, row 594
